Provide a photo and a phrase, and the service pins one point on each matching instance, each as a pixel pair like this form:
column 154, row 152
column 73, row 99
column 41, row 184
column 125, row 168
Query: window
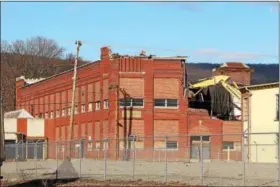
column 69, row 111
column 57, row 114
column 166, row 103
column 97, row 145
column 46, row 115
column 83, row 108
column 105, row 145
column 171, row 144
column 277, row 106
column 63, row 112
column 40, row 115
column 51, row 115
column 105, row 104
column 89, row 107
column 62, row 148
column 89, row 147
column 76, row 109
column 227, row 145
column 132, row 102
column 97, row 105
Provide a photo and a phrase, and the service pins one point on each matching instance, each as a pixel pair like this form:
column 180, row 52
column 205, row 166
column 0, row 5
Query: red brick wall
column 166, row 88
column 242, row 76
column 134, row 74
column 133, row 86
column 166, row 128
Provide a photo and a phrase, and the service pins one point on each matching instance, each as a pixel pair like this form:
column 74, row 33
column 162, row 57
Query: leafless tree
column 36, row 46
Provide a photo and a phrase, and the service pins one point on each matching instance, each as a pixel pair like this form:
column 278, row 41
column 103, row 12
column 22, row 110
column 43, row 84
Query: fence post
column 244, row 159
column 105, row 163
column 228, row 154
column 201, row 161
column 17, row 155
column 81, row 147
column 36, row 160
column 134, row 155
column 56, row 155
column 166, row 158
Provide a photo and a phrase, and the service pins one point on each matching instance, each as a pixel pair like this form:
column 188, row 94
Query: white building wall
column 10, row 127
column 35, row 127
column 263, row 148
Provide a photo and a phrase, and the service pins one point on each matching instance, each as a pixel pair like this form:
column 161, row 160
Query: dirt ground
column 88, row 183
column 119, row 183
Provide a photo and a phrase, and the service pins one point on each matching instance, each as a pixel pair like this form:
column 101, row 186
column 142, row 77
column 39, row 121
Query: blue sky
column 204, row 31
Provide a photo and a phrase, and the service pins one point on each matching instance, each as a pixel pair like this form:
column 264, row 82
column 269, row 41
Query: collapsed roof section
column 219, row 95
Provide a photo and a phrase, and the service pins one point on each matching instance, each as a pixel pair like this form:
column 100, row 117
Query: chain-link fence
column 220, row 159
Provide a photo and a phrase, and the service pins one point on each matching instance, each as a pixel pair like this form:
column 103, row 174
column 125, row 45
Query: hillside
column 263, row 73
column 13, row 66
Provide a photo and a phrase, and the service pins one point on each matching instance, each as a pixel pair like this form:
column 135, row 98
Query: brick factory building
column 156, row 107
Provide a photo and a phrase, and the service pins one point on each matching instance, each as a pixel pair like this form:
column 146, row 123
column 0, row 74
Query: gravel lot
column 215, row 173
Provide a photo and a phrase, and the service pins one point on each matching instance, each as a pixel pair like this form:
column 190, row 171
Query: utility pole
column 78, row 45
column 2, row 133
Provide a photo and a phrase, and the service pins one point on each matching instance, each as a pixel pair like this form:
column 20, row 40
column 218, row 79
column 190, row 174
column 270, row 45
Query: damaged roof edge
column 261, row 86
column 47, row 78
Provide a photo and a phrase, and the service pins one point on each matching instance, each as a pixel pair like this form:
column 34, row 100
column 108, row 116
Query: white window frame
column 105, row 144
column 46, row 115
column 57, row 113
column 165, row 104
column 131, row 103
column 63, row 112
column 90, row 146
column 226, row 149
column 172, row 148
column 69, row 111
column 90, row 109
column 97, row 105
column 76, row 109
column 51, row 115
column 105, row 104
column 83, row 108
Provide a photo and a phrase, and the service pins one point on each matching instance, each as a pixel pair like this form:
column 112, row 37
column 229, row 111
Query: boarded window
column 105, row 89
column 36, row 106
column 52, row 102
column 63, row 133
column 166, row 128
column 133, row 86
column 57, row 101
column 76, row 131
column 97, row 91
column 89, row 131
column 90, row 92
column 69, row 95
column 166, row 88
column 41, row 107
column 77, row 95
column 83, row 94
column 97, row 131
column 105, row 129
column 57, row 131
column 63, row 99
column 46, row 103
column 83, row 130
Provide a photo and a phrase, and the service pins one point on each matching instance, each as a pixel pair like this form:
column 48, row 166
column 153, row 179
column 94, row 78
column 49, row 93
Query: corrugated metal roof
column 18, row 114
